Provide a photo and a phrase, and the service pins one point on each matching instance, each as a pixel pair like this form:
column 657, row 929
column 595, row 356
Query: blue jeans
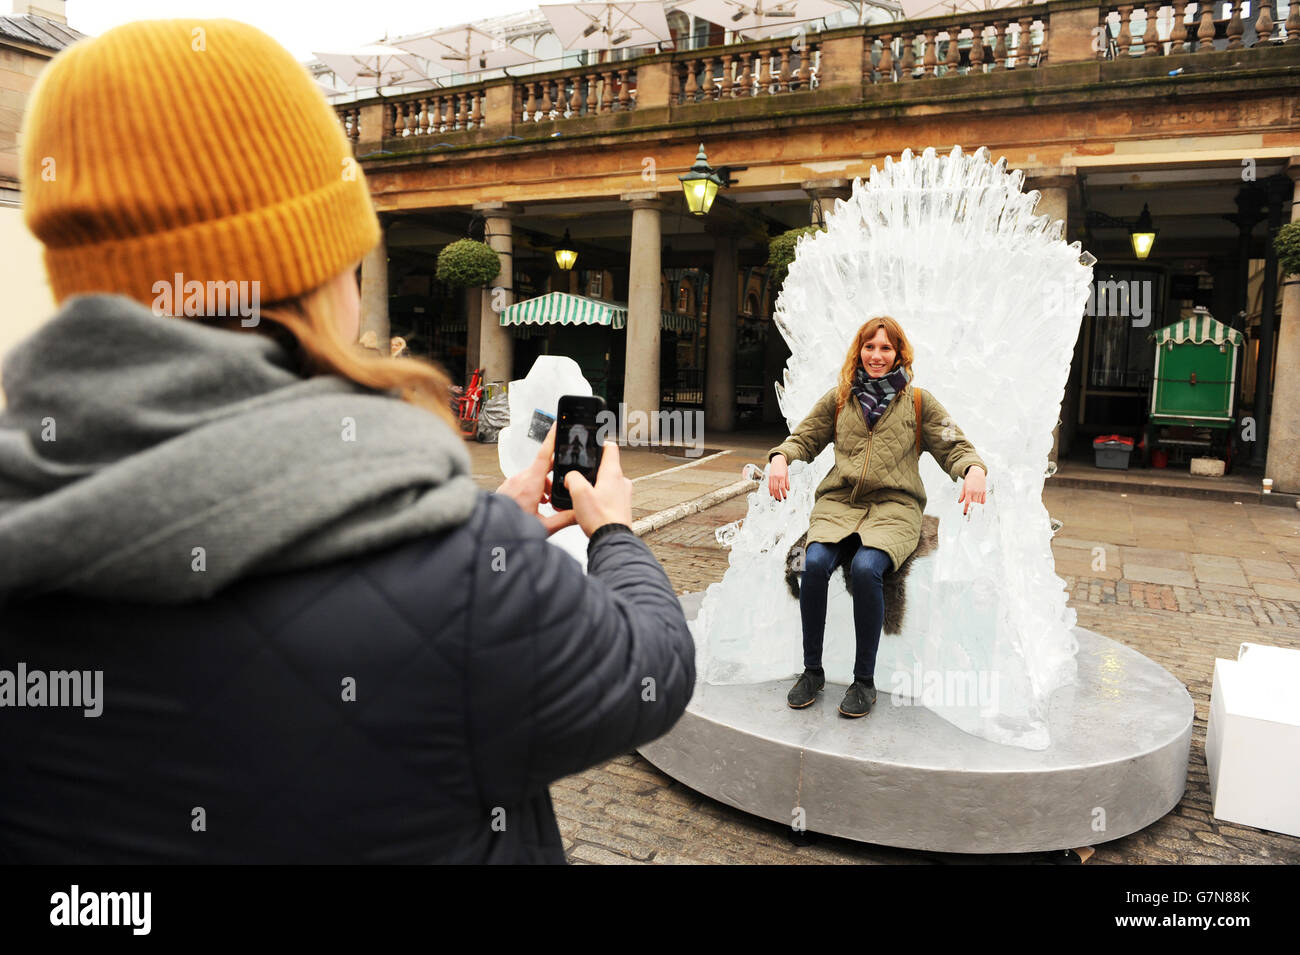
column 867, row 567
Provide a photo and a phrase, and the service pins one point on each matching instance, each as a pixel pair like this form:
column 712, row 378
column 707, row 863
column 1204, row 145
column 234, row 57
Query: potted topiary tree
column 780, row 252
column 1287, row 245
column 468, row 263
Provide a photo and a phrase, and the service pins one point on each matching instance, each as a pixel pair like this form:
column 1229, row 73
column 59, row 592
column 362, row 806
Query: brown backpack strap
column 916, row 406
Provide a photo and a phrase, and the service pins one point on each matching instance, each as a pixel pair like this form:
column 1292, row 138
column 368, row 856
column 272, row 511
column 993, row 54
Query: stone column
column 720, row 359
column 473, row 303
column 1250, row 206
column 644, row 294
column 496, row 345
column 824, row 192
column 1284, row 444
column 775, row 354
column 1278, row 189
column 1055, row 187
column 374, row 289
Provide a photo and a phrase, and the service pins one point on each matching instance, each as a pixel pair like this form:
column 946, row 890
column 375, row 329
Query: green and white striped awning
column 561, row 308
column 676, row 322
column 1197, row 329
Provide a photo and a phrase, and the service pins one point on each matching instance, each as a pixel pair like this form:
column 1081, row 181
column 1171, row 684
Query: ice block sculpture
column 550, row 377
column 992, row 298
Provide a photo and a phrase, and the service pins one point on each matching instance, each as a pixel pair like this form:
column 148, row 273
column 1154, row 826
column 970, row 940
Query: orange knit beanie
column 191, row 147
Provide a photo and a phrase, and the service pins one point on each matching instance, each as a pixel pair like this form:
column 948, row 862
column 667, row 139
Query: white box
column 1252, row 742
column 1207, row 467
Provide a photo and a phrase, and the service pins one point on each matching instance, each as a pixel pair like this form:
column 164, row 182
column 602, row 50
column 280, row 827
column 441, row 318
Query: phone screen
column 577, row 443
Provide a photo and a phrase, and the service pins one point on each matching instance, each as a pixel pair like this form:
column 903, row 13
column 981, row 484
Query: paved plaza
column 1183, row 580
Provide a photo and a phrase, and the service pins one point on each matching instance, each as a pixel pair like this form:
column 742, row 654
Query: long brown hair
column 312, row 320
column 852, row 361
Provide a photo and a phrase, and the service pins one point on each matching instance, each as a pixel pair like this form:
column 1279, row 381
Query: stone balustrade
column 436, row 111
column 350, row 117
column 766, row 68
column 857, row 64
column 1155, row 29
column 1013, row 38
column 580, row 91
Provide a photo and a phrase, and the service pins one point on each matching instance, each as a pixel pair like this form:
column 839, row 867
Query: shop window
column 701, row 37
column 1125, row 306
column 679, row 28
column 527, row 286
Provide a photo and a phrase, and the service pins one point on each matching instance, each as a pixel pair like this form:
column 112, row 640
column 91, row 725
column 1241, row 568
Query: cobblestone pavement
column 1181, row 581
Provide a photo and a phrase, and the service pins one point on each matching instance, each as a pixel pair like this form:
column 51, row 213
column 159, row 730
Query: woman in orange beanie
column 306, row 634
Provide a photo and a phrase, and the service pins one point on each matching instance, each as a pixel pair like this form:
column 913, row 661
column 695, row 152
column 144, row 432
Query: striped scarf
column 875, row 394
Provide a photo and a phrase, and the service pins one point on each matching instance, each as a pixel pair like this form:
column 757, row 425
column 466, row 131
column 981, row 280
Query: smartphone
column 577, row 447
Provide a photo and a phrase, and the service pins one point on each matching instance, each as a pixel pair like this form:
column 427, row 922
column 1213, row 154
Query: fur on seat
column 893, row 583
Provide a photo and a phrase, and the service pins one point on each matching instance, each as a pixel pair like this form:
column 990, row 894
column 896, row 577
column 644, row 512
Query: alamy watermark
column 632, row 427
column 192, row 298
column 1115, row 298
column 1125, row 299
column 72, row 688
column 945, row 688
column 78, row 908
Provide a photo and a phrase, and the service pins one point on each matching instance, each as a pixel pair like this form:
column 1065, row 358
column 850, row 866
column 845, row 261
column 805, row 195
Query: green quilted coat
column 874, row 487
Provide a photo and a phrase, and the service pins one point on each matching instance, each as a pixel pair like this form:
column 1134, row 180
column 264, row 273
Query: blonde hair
column 312, row 320
column 853, row 361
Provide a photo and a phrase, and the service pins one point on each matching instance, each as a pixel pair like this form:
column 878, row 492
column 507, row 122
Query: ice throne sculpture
column 992, row 298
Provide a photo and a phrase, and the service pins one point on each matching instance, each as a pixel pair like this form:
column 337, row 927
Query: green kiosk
column 1194, row 384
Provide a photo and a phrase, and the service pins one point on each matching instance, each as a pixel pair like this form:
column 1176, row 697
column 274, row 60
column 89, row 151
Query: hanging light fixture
column 700, row 185
column 1143, row 234
column 565, row 256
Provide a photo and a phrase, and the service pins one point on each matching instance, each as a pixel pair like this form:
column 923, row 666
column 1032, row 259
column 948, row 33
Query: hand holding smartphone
column 577, row 448
column 588, row 475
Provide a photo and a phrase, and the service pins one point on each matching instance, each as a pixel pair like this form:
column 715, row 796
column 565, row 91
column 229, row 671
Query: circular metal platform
column 903, row 777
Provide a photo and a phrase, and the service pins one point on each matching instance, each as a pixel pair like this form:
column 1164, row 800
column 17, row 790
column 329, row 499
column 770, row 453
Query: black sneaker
column 805, row 689
column 857, row 699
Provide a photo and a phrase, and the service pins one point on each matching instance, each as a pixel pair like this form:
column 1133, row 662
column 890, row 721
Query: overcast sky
column 301, row 27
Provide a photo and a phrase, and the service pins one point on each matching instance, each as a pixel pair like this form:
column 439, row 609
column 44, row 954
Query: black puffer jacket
column 485, row 666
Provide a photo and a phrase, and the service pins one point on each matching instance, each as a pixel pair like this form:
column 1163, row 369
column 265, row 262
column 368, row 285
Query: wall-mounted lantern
column 565, row 256
column 1143, row 234
column 700, row 185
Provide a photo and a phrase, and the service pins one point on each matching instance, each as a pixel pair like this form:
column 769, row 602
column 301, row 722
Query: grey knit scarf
column 159, row 460
column 875, row 394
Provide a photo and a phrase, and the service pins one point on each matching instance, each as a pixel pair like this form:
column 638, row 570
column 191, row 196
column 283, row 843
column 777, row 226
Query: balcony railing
column 1154, row 29
column 435, row 112
column 768, row 68
column 1009, row 39
column 580, row 91
column 852, row 64
column 350, row 117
